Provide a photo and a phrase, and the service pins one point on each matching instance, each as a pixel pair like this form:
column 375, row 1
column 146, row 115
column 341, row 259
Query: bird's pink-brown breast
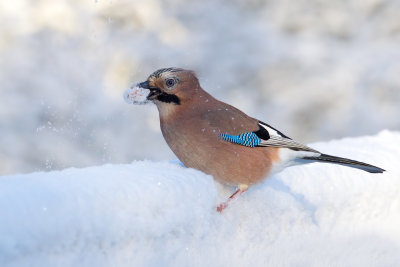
column 193, row 136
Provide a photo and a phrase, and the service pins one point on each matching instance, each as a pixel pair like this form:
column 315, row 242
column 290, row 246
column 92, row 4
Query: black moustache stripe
column 168, row 98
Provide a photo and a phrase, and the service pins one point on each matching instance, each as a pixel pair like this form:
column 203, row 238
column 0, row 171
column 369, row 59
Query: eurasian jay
column 217, row 138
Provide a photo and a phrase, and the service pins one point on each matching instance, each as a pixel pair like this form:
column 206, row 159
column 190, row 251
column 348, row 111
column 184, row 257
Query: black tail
column 346, row 162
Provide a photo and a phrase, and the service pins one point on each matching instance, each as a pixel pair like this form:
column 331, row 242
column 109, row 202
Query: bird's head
column 168, row 86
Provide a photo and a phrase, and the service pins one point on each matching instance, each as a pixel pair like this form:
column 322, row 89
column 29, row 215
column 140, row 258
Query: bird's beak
column 154, row 91
column 144, row 85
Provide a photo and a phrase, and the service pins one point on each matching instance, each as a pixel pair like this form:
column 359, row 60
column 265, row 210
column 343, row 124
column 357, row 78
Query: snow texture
column 136, row 95
column 162, row 214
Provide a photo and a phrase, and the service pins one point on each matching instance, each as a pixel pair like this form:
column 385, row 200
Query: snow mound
column 161, row 214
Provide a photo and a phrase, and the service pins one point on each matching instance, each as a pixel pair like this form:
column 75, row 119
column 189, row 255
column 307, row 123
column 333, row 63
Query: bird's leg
column 240, row 190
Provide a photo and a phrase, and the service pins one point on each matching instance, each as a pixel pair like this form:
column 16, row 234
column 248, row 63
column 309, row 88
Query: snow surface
column 162, row 214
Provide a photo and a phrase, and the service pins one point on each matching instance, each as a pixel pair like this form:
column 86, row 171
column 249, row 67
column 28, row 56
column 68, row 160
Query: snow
column 136, row 95
column 161, row 214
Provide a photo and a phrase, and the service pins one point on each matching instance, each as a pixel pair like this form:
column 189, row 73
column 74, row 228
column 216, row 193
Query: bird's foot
column 241, row 189
column 222, row 206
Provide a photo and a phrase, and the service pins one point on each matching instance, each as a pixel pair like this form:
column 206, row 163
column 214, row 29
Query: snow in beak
column 136, row 95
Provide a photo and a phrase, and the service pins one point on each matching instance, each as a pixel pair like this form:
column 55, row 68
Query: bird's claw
column 222, row 206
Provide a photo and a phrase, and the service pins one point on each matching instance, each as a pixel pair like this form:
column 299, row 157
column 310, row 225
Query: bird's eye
column 170, row 82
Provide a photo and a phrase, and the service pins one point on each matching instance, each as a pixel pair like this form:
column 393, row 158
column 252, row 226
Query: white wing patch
column 271, row 131
column 276, row 139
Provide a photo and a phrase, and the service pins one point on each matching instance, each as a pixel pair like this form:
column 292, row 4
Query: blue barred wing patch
column 244, row 139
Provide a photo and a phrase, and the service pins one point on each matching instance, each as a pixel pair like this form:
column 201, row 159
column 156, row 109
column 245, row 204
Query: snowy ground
column 161, row 214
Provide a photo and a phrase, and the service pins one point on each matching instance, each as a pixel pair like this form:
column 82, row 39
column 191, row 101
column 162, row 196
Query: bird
column 220, row 140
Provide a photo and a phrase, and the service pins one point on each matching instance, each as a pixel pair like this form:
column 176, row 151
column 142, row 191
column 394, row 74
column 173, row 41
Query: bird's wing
column 277, row 139
column 265, row 136
column 224, row 118
column 236, row 127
